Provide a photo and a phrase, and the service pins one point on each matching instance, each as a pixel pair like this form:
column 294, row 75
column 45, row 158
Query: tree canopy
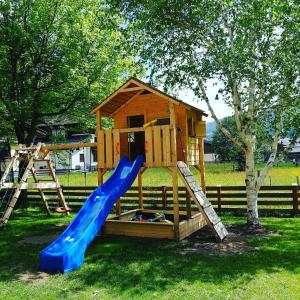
column 250, row 48
column 224, row 148
column 57, row 58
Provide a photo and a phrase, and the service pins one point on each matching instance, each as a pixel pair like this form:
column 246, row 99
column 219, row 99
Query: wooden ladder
column 204, row 206
column 35, row 155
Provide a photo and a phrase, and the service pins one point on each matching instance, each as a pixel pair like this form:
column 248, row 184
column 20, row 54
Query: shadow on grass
column 138, row 266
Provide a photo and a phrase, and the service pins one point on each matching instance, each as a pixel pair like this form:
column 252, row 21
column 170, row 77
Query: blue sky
column 220, row 108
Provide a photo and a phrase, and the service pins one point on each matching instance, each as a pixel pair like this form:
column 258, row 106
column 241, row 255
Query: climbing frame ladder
column 34, row 154
column 205, row 207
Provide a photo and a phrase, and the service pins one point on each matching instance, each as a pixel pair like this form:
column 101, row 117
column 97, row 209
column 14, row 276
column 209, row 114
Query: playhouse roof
column 131, row 88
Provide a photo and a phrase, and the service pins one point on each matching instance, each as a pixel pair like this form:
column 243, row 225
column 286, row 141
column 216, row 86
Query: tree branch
column 62, row 110
column 271, row 160
column 220, row 126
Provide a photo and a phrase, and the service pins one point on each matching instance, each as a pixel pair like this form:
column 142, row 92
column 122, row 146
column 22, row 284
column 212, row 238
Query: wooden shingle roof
column 128, row 90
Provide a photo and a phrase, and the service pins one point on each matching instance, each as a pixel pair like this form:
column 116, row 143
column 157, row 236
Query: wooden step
column 41, row 159
column 32, row 154
column 212, row 219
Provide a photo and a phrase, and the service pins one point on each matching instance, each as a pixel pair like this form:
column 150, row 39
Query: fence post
column 295, row 199
column 219, row 198
column 164, row 196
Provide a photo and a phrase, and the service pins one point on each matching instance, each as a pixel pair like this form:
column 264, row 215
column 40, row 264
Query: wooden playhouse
column 169, row 133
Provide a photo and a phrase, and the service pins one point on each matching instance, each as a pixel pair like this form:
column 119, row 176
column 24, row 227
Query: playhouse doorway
column 136, row 140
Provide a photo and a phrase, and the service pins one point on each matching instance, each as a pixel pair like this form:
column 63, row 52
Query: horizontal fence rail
column 281, row 199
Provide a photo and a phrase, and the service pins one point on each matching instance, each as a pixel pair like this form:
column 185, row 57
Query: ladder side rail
column 59, row 189
column 14, row 199
column 42, row 194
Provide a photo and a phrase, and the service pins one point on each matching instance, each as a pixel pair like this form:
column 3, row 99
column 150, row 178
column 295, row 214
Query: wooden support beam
column 118, row 208
column 69, row 146
column 58, row 189
column 173, row 133
column 100, row 146
column 201, row 163
column 98, row 120
column 140, row 191
column 42, row 194
column 175, row 196
column 101, row 173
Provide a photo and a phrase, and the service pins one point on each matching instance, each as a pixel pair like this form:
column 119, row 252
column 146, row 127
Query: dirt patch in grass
column 203, row 242
column 37, row 240
column 36, row 277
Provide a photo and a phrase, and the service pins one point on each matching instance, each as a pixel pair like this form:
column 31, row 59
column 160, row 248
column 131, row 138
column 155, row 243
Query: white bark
column 251, row 191
column 270, row 162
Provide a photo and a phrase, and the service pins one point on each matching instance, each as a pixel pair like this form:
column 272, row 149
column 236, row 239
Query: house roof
column 286, row 142
column 131, row 88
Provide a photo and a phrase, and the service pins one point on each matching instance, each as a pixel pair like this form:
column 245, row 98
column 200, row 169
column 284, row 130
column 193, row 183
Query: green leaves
column 187, row 43
column 58, row 59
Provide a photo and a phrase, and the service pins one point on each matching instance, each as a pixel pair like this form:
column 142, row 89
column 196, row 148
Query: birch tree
column 251, row 48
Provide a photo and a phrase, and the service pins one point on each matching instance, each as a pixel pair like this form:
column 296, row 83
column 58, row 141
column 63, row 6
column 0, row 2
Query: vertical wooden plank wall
column 157, row 145
column 116, row 145
column 149, row 146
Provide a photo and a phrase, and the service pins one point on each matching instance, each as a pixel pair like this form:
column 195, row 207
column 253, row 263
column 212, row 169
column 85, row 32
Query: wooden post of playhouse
column 174, row 169
column 175, row 196
column 118, row 207
column 98, row 129
column 140, row 191
column 201, row 154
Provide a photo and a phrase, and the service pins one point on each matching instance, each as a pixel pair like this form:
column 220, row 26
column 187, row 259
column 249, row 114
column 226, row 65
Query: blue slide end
column 66, row 253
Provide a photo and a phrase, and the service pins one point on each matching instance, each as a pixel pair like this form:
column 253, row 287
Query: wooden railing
column 281, row 199
column 160, row 146
column 108, row 149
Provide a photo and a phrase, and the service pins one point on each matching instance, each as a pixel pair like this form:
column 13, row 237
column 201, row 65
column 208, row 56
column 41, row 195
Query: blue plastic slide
column 66, row 253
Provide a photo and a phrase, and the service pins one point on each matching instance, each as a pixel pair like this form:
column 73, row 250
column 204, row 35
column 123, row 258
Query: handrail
column 69, row 146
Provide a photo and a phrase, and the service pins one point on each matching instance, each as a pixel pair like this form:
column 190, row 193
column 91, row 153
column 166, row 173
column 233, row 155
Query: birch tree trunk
column 251, row 191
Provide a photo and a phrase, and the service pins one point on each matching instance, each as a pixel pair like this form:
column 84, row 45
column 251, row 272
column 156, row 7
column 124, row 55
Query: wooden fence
column 281, row 199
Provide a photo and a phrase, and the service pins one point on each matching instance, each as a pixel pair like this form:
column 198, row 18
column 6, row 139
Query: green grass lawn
column 130, row 268
column 216, row 174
